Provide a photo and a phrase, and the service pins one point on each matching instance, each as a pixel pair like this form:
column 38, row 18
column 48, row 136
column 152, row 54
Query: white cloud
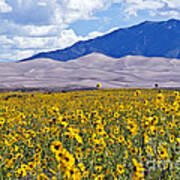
column 77, row 9
column 132, row 7
column 171, row 13
column 41, row 30
column 4, row 7
column 95, row 34
column 65, row 38
column 117, row 1
column 15, row 55
column 172, row 3
column 10, row 28
column 5, row 40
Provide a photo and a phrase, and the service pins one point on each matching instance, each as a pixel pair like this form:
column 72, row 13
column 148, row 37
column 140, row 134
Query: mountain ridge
column 149, row 38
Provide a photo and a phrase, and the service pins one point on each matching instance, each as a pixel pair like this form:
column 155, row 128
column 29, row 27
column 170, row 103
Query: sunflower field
column 108, row 134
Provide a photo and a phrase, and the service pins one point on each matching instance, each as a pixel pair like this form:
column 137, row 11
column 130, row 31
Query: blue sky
column 32, row 26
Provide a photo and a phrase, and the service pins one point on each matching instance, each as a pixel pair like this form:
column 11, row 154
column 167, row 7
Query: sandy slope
column 129, row 71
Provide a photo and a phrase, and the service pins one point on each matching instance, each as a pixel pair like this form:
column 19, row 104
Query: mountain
column 150, row 39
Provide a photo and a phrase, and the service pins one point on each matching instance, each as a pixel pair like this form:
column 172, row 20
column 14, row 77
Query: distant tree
column 156, row 85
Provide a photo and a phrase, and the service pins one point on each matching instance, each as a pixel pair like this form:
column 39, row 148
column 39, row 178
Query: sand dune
column 129, row 71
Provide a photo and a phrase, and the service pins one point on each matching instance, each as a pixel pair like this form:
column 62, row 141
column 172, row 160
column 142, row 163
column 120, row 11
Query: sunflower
column 72, row 173
column 176, row 93
column 120, row 169
column 116, row 115
column 133, row 151
column 116, row 130
column 20, row 173
column 56, row 146
column 68, row 159
column 162, row 132
column 42, row 176
column 163, row 153
column 170, row 125
column 155, row 120
column 60, row 154
column 81, row 167
column 99, row 177
column 121, row 139
column 149, row 150
column 160, row 97
column 98, row 168
column 171, row 138
column 143, row 158
column 137, row 93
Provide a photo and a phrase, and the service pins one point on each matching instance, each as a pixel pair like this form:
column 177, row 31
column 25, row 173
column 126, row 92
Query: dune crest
column 87, row 71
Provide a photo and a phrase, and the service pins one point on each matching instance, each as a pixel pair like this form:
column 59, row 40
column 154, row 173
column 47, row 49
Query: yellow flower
column 171, row 138
column 2, row 120
column 149, row 150
column 120, row 169
column 42, row 176
column 98, row 168
column 82, row 167
column 121, row 139
column 54, row 178
column 160, row 97
column 134, row 161
column 133, row 151
column 73, row 173
column 170, row 125
column 116, row 130
column 99, row 177
column 79, row 138
column 68, row 159
column 176, row 93
column 162, row 132
column 99, row 85
column 31, row 166
column 60, row 154
column 86, row 174
column 56, row 146
column 137, row 93
column 20, row 173
column 116, row 115
column 163, row 153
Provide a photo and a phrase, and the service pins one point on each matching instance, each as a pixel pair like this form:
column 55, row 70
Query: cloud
column 15, row 54
column 169, row 13
column 29, row 12
column 4, row 7
column 78, row 9
column 133, row 6
column 154, row 7
column 172, row 3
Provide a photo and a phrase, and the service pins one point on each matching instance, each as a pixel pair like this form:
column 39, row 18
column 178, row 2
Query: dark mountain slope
column 151, row 39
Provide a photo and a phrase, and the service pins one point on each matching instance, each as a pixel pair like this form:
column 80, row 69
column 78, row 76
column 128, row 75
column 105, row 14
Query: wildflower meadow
column 128, row 134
